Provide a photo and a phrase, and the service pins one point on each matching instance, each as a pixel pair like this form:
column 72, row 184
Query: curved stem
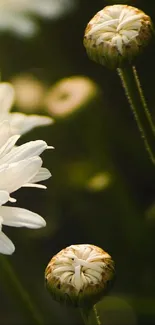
column 90, row 316
column 133, row 91
column 10, row 278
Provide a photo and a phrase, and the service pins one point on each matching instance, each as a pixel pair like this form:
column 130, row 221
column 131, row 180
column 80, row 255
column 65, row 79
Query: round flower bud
column 117, row 34
column 79, row 275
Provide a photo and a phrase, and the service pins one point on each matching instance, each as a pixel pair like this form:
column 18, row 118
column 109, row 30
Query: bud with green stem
column 114, row 37
column 79, row 276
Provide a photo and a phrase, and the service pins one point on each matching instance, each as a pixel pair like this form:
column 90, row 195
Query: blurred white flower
column 69, row 95
column 16, row 15
column 29, row 92
column 20, row 123
column 19, row 166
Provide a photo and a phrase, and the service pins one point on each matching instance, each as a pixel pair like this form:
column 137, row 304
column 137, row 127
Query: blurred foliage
column 101, row 140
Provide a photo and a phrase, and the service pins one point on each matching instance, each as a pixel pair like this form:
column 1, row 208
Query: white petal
column 22, row 123
column 6, row 245
column 12, row 199
column 1, row 222
column 42, row 175
column 35, row 185
column 7, row 97
column 5, row 132
column 9, row 144
column 15, row 175
column 25, row 151
column 17, row 217
column 4, row 197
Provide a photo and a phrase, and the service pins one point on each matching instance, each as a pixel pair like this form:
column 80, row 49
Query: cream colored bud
column 79, row 275
column 117, row 34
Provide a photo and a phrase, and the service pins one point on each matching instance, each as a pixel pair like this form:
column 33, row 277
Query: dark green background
column 105, row 136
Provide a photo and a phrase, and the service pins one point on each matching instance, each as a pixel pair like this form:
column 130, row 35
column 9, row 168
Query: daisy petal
column 9, row 144
column 42, row 175
column 17, row 217
column 12, row 199
column 13, row 176
column 5, row 132
column 35, row 185
column 6, row 245
column 25, row 151
column 4, row 197
column 22, row 123
column 7, row 97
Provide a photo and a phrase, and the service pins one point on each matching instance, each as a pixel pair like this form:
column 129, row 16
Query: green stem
column 9, row 277
column 143, row 100
column 90, row 316
column 139, row 107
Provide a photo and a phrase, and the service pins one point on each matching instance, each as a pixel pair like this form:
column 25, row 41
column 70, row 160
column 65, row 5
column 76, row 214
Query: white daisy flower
column 117, row 34
column 16, row 15
column 19, row 166
column 79, row 274
column 20, row 123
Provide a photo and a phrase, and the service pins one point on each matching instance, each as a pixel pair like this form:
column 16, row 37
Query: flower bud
column 117, row 34
column 79, row 275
